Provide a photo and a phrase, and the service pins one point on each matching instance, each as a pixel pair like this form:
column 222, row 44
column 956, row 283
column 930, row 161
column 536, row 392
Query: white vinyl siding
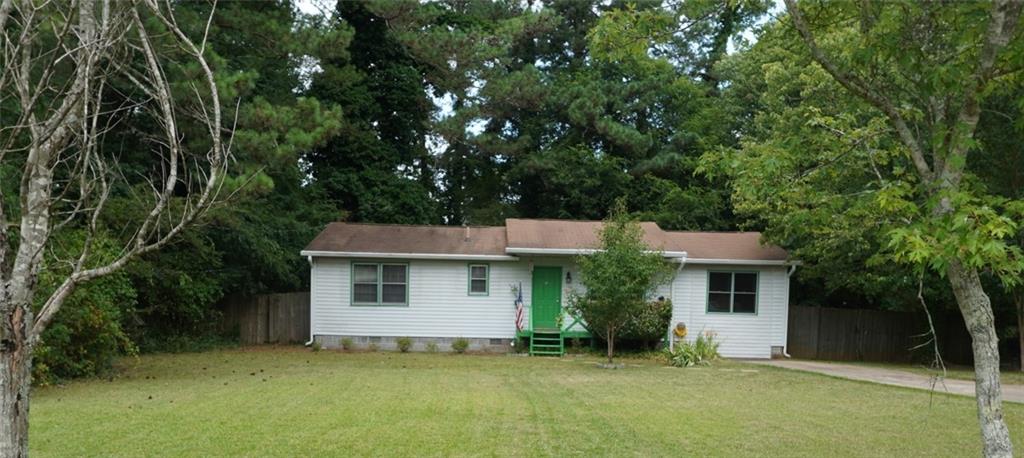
column 437, row 305
column 742, row 335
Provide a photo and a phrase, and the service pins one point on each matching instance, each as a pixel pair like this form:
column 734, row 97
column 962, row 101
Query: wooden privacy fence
column 846, row 334
column 853, row 334
column 268, row 318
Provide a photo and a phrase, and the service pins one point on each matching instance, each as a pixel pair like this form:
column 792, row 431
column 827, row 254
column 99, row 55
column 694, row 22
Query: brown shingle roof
column 724, row 245
column 393, row 238
column 532, row 234
column 569, row 235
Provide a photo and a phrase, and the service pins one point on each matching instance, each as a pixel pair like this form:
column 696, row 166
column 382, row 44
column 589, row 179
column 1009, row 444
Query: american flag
column 519, row 308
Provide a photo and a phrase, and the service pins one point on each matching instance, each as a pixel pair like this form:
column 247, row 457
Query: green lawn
column 287, row 402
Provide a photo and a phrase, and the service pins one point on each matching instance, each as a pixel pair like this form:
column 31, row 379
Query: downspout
column 310, row 260
column 672, row 296
column 785, row 349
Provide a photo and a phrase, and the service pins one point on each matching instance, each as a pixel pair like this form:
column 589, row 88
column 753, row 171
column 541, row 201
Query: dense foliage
column 699, row 115
column 648, row 323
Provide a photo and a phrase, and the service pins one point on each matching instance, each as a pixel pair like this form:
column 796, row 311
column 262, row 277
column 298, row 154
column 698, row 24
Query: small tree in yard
column 619, row 277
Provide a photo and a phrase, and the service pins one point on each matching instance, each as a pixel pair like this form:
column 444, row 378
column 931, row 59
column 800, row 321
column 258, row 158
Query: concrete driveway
column 1011, row 393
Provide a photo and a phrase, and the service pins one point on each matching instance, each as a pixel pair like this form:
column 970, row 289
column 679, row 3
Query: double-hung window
column 479, row 281
column 380, row 284
column 732, row 292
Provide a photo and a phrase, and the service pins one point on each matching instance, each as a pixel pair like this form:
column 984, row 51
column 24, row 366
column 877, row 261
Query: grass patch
column 290, row 401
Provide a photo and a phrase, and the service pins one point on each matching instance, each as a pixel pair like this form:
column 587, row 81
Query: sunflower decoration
column 680, row 330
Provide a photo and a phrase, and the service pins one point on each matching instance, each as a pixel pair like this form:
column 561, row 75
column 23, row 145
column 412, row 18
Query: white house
column 374, row 283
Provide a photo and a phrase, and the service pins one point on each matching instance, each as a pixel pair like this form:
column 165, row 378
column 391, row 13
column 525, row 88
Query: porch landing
column 549, row 342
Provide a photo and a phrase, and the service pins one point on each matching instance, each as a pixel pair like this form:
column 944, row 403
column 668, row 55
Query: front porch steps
column 547, row 343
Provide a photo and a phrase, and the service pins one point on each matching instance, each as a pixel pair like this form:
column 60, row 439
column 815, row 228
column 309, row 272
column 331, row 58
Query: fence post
column 817, row 332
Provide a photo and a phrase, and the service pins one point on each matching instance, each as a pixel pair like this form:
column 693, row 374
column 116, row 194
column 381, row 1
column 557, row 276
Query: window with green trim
column 380, row 284
column 732, row 292
column 479, row 279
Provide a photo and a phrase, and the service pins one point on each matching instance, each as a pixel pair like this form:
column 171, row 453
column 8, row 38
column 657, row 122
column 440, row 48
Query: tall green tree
column 249, row 245
column 378, row 168
column 676, row 49
column 536, row 107
column 476, row 71
column 894, row 159
column 799, row 176
column 955, row 228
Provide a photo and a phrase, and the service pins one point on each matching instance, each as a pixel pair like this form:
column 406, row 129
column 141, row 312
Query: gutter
column 372, row 254
column 309, row 258
column 672, row 292
column 744, row 262
column 579, row 251
column 789, row 274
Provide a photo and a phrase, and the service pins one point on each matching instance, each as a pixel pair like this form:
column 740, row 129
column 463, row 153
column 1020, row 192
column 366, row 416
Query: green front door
column 546, row 297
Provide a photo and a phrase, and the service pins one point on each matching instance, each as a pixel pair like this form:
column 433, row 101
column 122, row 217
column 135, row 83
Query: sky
column 312, row 6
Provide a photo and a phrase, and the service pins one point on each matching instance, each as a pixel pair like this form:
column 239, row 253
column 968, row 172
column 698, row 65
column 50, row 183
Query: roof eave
column 743, row 262
column 578, row 251
column 368, row 254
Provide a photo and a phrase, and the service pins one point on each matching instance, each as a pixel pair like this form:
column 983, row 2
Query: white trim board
column 367, row 254
column 741, row 262
column 579, row 251
column 536, row 251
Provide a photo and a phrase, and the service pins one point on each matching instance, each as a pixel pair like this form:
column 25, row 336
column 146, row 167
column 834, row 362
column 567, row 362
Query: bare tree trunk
column 15, row 380
column 977, row 312
column 610, row 336
column 67, row 172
